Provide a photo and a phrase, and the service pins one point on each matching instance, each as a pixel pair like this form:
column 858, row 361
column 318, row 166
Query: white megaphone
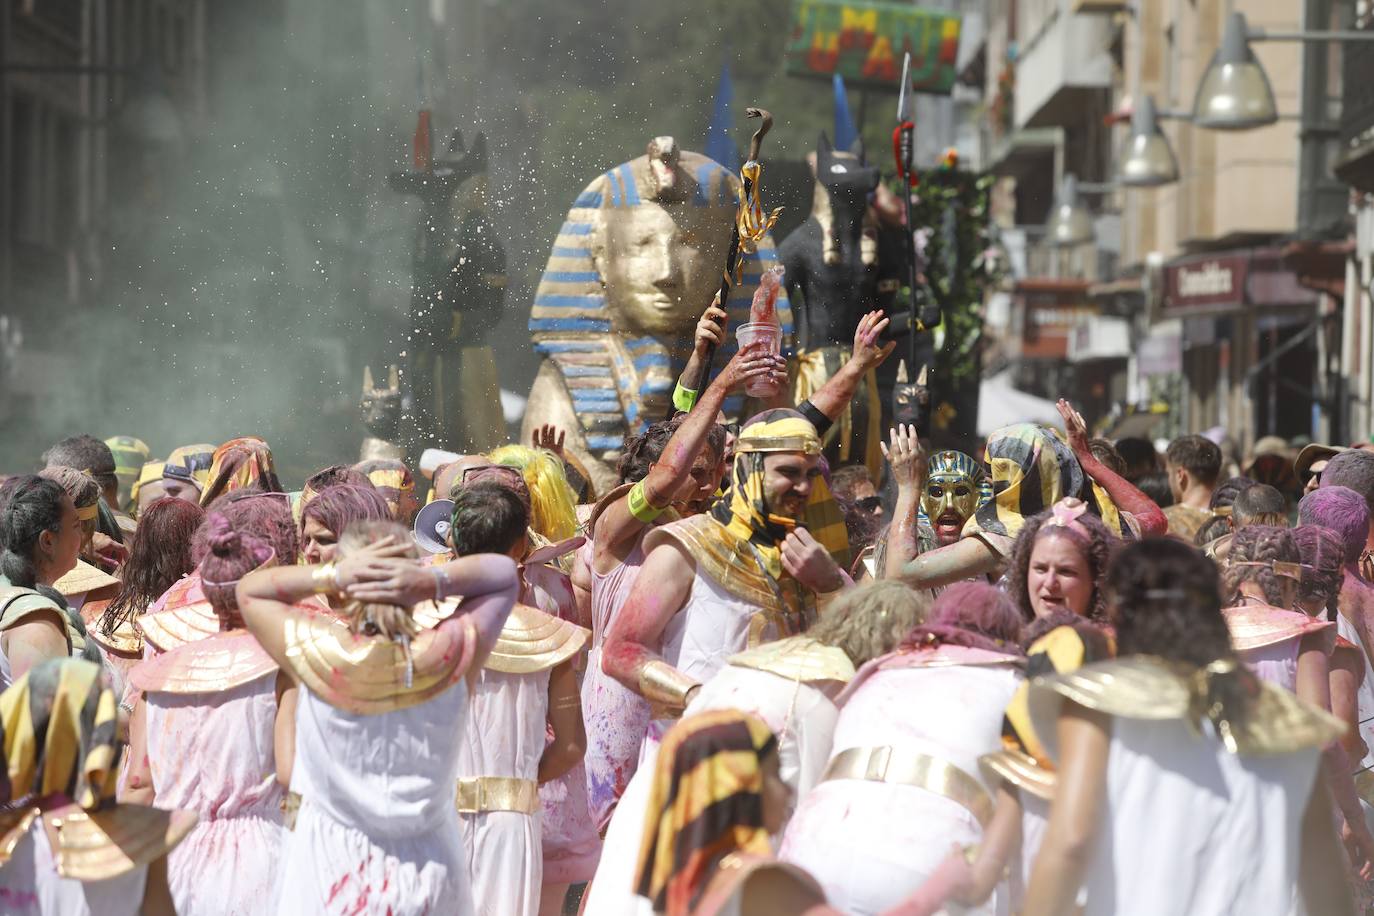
column 432, row 526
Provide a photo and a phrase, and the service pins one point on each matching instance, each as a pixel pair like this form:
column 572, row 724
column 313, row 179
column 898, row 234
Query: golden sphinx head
column 642, row 249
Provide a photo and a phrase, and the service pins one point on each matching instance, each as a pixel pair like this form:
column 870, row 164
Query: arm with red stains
column 869, row 353
column 908, row 462
column 631, row 651
column 1127, row 496
column 616, row 528
column 565, row 719
column 138, row 779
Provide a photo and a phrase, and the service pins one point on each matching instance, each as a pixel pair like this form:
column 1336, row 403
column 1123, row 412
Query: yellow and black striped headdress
column 746, row 514
column 706, row 802
column 60, row 734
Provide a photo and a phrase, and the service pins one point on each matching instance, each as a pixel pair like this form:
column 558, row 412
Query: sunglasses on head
column 492, row 470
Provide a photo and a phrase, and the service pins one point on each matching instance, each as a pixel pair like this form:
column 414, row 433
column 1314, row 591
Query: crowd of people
column 1064, row 675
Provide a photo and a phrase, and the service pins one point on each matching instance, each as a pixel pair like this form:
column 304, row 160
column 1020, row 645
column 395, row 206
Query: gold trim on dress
column 1022, row 771
column 124, row 641
column 220, row 662
column 897, row 766
column 798, row 658
column 96, row 845
column 719, row 556
column 480, row 794
column 1144, row 687
column 534, row 641
column 367, row 675
column 290, row 809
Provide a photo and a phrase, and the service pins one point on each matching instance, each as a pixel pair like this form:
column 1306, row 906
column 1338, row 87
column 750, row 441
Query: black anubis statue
column 448, row 393
column 841, row 263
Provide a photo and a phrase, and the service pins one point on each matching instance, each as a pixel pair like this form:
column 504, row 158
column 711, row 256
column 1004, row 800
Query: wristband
column 684, row 399
column 639, row 505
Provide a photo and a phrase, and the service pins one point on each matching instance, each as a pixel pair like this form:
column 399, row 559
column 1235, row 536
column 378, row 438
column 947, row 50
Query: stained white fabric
column 871, row 844
column 1364, row 696
column 30, row 885
column 712, row 625
column 377, row 830
column 507, row 716
column 801, row 715
column 213, row 754
column 1276, row 662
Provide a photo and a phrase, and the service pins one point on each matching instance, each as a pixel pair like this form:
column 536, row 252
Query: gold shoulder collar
column 124, row 641
column 219, row 662
column 96, row 845
column 1021, row 770
column 177, row 626
column 1141, row 687
column 367, row 675
column 720, row 557
column 1257, row 626
column 534, row 641
column 798, row 658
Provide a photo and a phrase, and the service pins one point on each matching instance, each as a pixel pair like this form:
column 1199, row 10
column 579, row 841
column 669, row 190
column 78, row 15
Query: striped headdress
column 705, row 802
column 1032, row 469
column 619, row 383
column 59, row 722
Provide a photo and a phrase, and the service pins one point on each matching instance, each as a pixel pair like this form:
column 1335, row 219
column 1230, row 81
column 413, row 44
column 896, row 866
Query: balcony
column 1065, row 60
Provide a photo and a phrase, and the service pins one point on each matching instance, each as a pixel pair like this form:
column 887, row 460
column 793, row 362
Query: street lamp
column 1147, row 160
column 1234, row 93
column 1070, row 223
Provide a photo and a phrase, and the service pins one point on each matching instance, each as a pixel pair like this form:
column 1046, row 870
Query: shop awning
column 1001, row 404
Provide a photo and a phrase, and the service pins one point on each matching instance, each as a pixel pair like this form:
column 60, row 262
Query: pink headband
column 1066, row 514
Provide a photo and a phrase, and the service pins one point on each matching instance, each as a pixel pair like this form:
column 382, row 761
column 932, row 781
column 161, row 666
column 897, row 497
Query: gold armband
column 665, row 687
column 324, row 580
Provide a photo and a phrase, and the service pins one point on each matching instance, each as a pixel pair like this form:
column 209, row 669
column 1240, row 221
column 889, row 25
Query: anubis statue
column 842, row 262
column 447, row 394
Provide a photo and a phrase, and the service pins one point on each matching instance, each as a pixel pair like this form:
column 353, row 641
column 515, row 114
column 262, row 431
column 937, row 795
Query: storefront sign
column 1050, row 311
column 1206, row 282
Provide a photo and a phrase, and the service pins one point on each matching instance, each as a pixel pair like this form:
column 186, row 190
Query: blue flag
column 720, row 145
column 845, row 131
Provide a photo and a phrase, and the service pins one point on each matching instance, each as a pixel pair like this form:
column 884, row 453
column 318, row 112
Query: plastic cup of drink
column 751, row 332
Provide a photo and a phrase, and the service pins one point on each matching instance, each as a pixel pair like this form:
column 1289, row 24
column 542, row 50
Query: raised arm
column 908, row 462
column 1126, row 495
column 631, row 653
column 710, row 334
column 869, row 353
column 624, row 519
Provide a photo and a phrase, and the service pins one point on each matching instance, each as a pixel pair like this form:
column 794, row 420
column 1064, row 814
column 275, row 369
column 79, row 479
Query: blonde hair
column 553, row 505
column 870, row 620
column 367, row 619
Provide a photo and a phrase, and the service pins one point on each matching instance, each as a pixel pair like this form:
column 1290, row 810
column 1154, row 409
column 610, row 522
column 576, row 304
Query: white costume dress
column 31, row 886
column 499, row 761
column 1188, row 827
column 212, row 751
column 872, row 843
column 788, row 685
column 377, row 831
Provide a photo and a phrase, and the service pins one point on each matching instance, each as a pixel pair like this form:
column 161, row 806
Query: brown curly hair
column 1258, row 544
column 1098, row 550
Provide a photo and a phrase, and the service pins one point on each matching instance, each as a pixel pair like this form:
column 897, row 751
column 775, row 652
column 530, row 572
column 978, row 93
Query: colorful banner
column 863, row 41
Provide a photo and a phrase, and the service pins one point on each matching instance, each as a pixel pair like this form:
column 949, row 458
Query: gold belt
column 909, row 768
column 497, row 793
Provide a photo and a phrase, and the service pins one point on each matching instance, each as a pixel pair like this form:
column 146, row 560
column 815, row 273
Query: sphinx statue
column 843, row 261
column 636, row 262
